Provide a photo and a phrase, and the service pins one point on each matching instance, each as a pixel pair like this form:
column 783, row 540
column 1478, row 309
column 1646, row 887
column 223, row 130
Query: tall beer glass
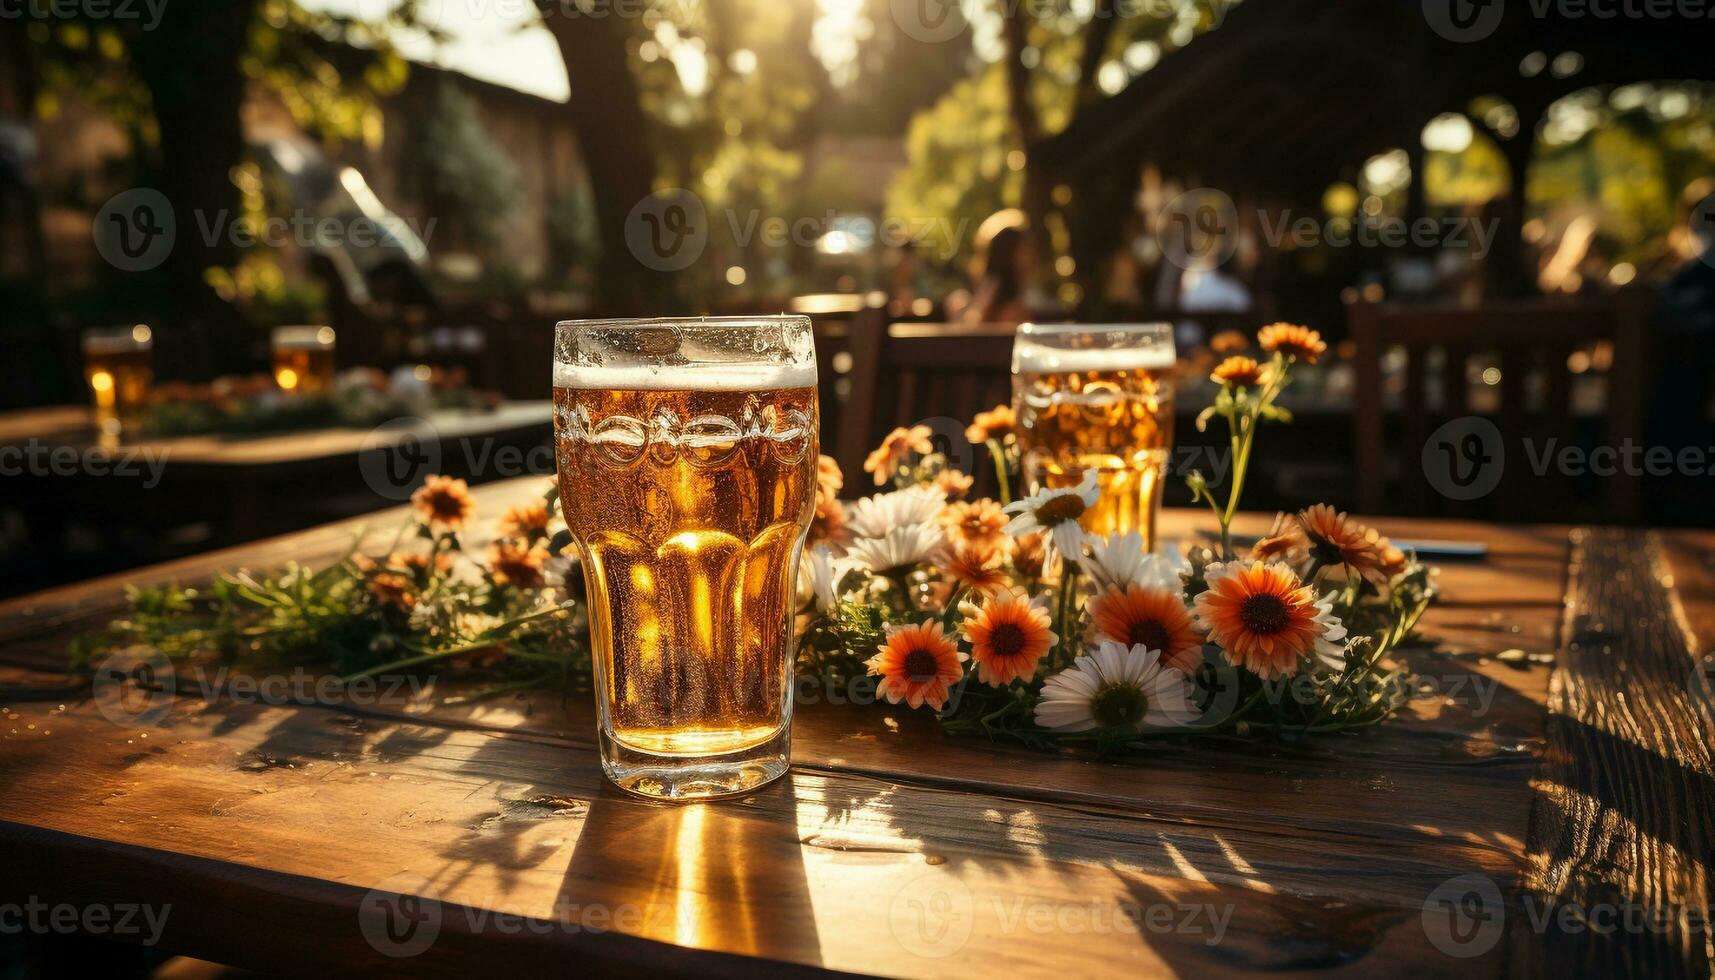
column 687, row 464
column 303, row 359
column 118, row 364
column 1098, row 397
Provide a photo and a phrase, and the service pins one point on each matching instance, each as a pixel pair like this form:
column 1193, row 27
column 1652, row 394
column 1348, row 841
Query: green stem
column 999, row 456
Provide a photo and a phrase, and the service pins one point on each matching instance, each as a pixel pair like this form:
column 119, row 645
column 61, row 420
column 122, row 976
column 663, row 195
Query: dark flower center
column 1324, row 551
column 1264, row 614
column 1066, row 507
column 921, row 666
column 1007, row 640
column 1151, row 633
column 1119, row 706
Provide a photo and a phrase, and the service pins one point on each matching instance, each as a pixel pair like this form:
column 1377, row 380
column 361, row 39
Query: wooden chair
column 905, row 373
column 1532, row 342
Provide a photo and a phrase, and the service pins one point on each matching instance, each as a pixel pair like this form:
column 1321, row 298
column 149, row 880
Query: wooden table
column 224, row 489
column 1562, row 768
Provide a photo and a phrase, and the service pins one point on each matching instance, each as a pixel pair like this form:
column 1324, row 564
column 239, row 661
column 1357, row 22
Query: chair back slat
column 1531, row 346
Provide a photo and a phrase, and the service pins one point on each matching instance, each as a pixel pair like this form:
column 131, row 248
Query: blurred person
column 1007, row 260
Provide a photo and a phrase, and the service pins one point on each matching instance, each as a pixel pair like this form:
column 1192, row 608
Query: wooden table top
column 1559, row 761
column 66, row 425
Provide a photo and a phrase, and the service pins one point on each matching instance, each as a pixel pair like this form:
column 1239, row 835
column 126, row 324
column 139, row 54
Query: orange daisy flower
column 899, row 444
column 517, row 563
column 526, row 521
column 952, row 484
column 917, row 665
column 829, row 480
column 1156, row 618
column 393, row 589
column 1008, row 636
column 1240, row 372
column 1285, row 541
column 1293, row 341
column 1393, row 560
column 1265, row 619
column 1332, row 538
column 1029, row 553
column 979, row 522
column 829, row 524
column 1229, row 342
column 976, row 567
column 416, row 563
column 443, row 501
column 997, row 424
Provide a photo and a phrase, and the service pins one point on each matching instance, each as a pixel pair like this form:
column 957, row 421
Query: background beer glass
column 118, row 364
column 687, row 465
column 303, row 359
column 1098, row 396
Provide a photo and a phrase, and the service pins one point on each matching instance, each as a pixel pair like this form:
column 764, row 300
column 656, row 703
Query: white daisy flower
column 901, row 548
column 1114, row 687
column 874, row 517
column 825, row 575
column 1058, row 512
column 1331, row 645
column 1120, row 561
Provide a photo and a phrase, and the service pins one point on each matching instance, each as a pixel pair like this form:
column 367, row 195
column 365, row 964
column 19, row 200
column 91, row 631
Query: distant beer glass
column 1098, row 397
column 303, row 359
column 118, row 363
column 687, row 466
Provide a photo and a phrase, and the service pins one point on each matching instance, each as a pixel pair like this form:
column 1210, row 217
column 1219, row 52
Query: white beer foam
column 1040, row 359
column 686, row 377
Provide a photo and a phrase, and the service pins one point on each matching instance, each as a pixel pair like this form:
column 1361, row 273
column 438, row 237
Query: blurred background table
column 123, row 505
column 1562, row 756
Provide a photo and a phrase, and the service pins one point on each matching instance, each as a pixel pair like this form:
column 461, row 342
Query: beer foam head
column 1046, row 349
column 730, row 376
column 707, row 354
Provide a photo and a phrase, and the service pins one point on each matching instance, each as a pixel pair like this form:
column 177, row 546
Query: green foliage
column 472, row 182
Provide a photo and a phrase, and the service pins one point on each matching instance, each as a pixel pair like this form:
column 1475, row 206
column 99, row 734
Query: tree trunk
column 190, row 64
column 613, row 134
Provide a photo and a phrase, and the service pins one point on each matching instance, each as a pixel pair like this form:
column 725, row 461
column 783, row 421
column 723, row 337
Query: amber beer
column 303, row 359
column 687, row 468
column 1101, row 398
column 118, row 364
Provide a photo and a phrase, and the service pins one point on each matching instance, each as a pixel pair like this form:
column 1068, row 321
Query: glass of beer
column 1098, row 397
column 118, row 363
column 303, row 359
column 687, row 454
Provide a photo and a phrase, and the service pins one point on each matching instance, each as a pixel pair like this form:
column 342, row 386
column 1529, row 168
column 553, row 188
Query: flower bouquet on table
column 1009, row 621
column 509, row 617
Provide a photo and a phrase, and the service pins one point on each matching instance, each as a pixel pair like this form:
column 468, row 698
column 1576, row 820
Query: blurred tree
column 471, row 181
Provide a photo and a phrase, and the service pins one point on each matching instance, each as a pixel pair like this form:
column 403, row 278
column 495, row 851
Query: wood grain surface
column 283, row 833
